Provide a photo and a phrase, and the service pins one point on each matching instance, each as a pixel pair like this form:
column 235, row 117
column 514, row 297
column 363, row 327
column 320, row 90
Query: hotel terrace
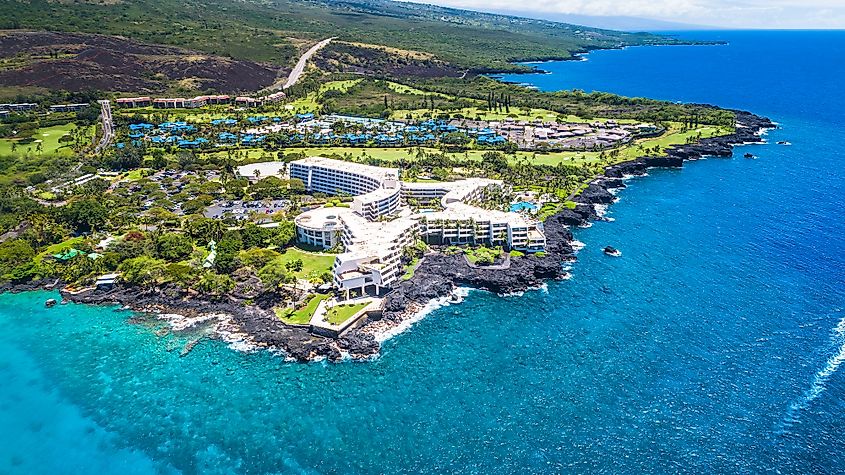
column 377, row 226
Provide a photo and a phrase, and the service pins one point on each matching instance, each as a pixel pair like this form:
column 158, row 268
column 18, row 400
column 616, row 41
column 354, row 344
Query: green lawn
column 342, row 86
column 49, row 138
column 303, row 315
column 412, row 267
column 341, row 313
column 137, row 174
column 59, row 247
column 313, row 264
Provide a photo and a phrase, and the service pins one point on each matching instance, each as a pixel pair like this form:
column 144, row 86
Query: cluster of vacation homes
column 305, row 128
column 378, row 224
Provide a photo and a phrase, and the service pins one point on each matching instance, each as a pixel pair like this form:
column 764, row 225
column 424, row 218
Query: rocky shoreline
column 439, row 275
column 245, row 324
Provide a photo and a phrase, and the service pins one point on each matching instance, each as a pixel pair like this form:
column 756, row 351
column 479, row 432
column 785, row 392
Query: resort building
column 373, row 256
column 133, row 102
column 373, row 244
column 23, row 106
column 460, row 224
column 448, row 192
column 192, row 103
column 320, row 227
column 68, row 107
column 377, row 190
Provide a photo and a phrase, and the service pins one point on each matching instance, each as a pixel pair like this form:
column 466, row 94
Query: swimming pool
column 523, row 206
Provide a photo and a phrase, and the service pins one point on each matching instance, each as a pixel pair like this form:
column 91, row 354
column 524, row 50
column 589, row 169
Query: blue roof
column 491, row 139
column 136, row 135
column 140, row 126
column 192, row 143
column 307, row 116
column 224, row 121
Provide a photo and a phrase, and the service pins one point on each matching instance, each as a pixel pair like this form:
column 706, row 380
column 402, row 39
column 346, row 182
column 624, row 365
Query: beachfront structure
column 377, row 190
column 461, row 224
column 373, row 244
column 372, row 255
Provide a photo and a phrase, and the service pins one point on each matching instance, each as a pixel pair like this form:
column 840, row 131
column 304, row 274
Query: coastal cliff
column 253, row 324
column 439, row 275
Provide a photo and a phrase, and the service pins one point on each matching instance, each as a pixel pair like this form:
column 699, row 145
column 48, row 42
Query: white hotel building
column 377, row 190
column 373, row 243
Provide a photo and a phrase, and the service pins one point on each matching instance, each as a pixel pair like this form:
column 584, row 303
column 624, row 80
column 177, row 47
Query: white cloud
column 724, row 13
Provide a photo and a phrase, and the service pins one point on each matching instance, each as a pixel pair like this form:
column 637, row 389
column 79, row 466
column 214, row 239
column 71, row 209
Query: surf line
column 820, row 380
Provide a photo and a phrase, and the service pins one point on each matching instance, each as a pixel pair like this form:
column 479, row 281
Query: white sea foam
column 383, row 335
column 820, row 380
column 628, row 176
column 601, row 210
column 181, row 323
column 544, row 287
column 577, row 245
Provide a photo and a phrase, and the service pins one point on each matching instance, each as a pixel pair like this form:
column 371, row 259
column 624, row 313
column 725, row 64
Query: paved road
column 303, row 61
column 108, row 130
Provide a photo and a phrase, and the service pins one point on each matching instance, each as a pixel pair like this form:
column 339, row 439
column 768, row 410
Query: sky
column 774, row 14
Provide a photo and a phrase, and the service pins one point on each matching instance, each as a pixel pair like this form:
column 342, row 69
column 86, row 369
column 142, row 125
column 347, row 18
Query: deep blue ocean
column 713, row 345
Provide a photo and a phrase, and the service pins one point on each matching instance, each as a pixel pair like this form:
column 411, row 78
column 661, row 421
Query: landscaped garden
column 313, row 265
column 302, row 315
column 340, row 313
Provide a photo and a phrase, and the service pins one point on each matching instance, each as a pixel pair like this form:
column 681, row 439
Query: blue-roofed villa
column 252, row 139
column 192, row 143
column 227, row 137
column 491, row 140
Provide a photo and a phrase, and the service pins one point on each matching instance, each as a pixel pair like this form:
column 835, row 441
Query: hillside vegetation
column 277, row 31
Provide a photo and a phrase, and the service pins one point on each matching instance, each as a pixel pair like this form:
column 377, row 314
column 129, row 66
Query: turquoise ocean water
column 713, row 345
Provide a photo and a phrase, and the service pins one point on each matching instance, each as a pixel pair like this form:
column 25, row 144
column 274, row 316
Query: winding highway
column 297, row 71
